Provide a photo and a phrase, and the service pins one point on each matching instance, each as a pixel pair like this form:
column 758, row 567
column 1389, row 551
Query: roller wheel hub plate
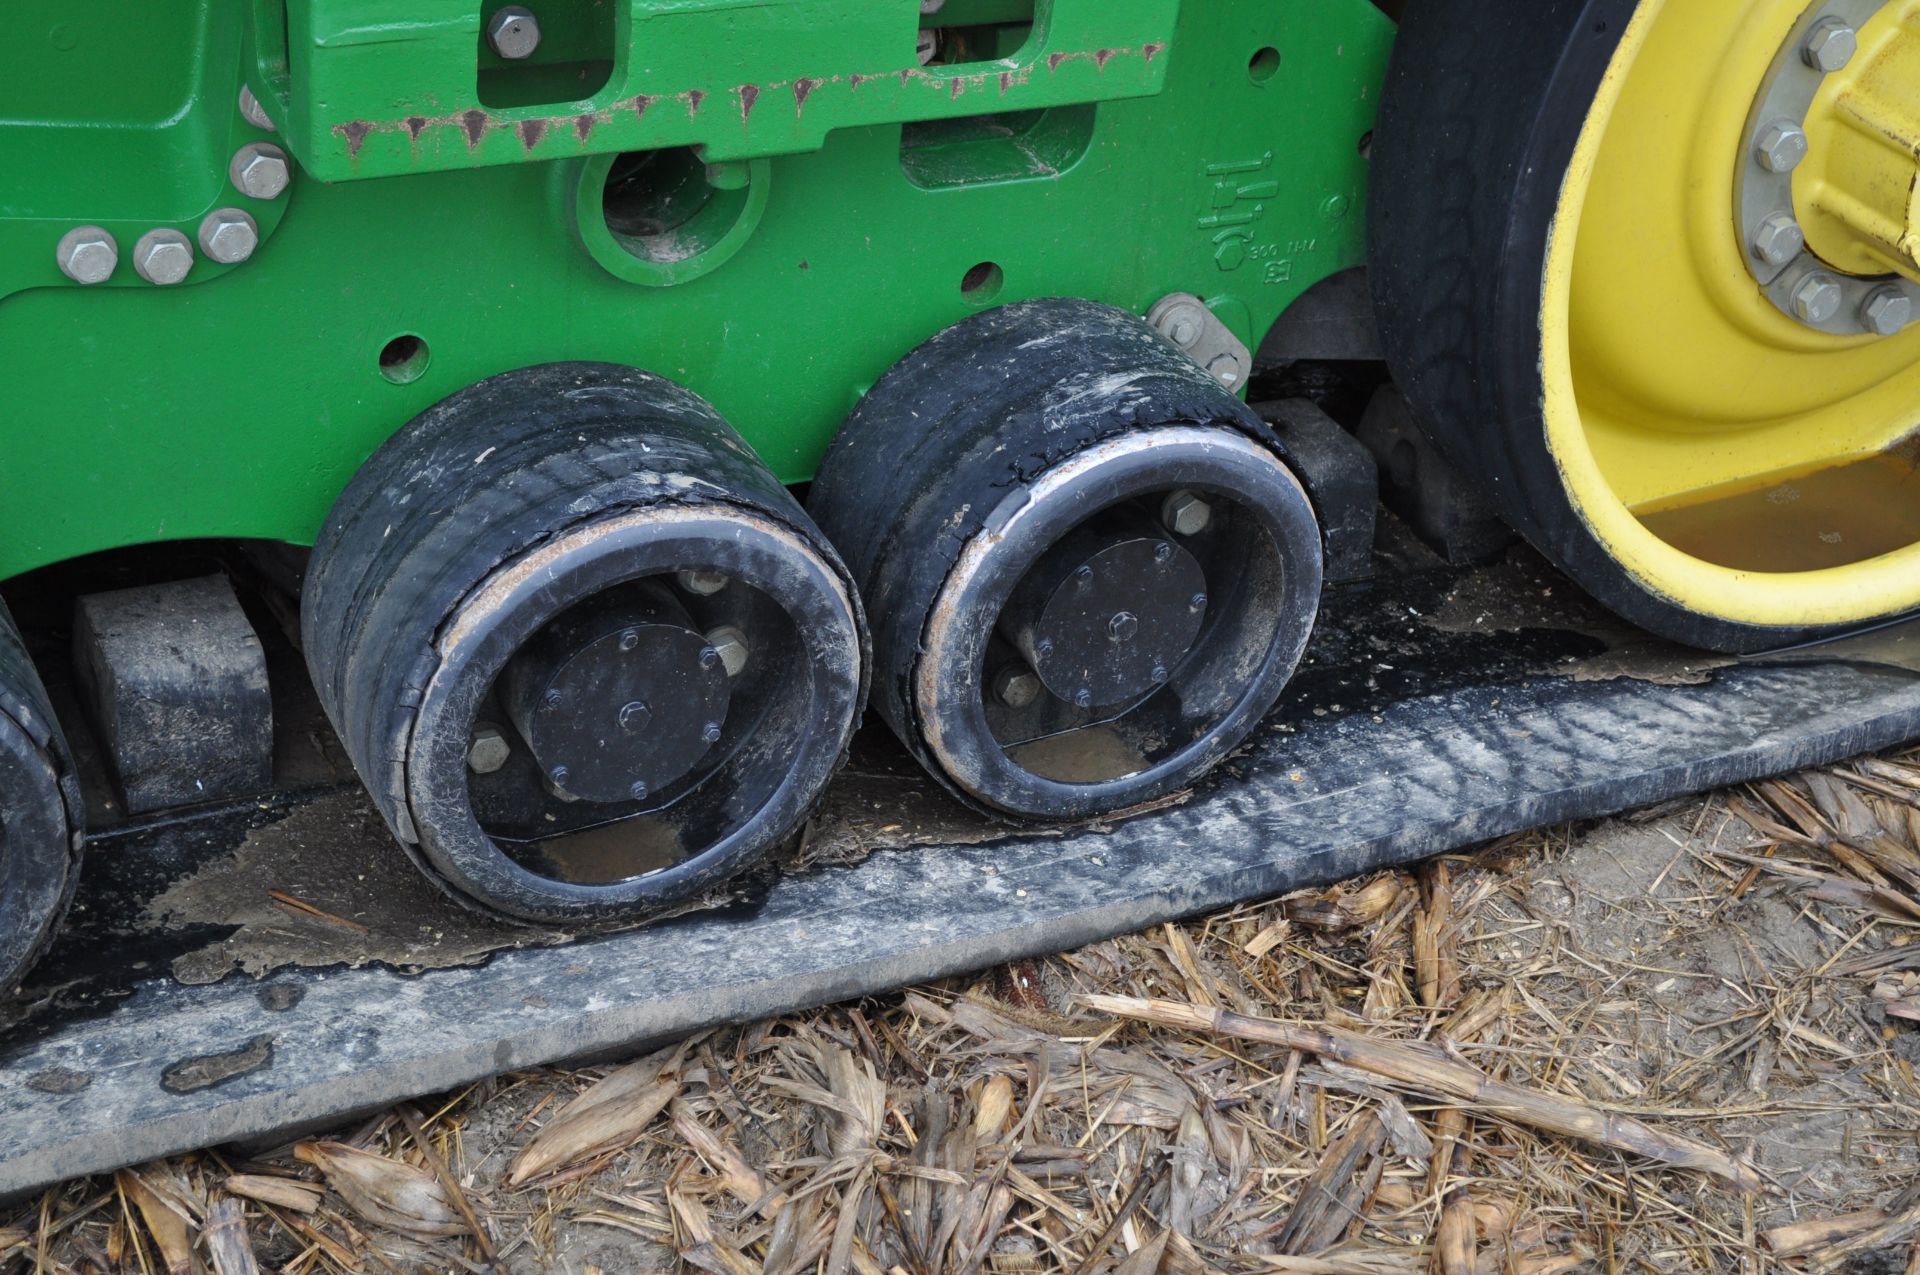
column 1119, row 621
column 631, row 707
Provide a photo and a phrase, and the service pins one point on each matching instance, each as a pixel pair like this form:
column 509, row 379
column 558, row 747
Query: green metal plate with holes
column 774, row 267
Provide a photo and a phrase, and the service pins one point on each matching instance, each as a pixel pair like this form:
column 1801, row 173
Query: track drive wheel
column 1648, row 271
column 587, row 653
column 1089, row 570
column 39, row 814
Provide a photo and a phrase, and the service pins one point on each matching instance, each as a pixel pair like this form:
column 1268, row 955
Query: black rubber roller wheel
column 39, row 814
column 588, row 654
column 1089, row 570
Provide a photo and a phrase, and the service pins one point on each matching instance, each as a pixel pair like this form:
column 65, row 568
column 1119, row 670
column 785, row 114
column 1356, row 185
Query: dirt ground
column 1682, row 1040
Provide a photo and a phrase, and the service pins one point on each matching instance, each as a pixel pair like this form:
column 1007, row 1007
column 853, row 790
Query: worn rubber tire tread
column 1483, row 108
column 921, row 463
column 467, row 487
column 40, row 814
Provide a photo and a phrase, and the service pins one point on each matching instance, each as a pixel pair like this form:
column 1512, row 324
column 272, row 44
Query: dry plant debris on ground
column 1677, row 1041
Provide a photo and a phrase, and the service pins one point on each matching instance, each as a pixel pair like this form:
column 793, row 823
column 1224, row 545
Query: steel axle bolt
column 730, row 645
column 702, row 582
column 1887, row 311
column 1016, row 686
column 1123, row 626
column 87, row 254
column 489, row 749
column 228, row 235
column 162, row 257
column 1817, row 299
column 636, row 716
column 1830, row 45
column 252, row 112
column 1186, row 514
column 513, row 32
column 259, row 169
column 1781, row 146
column 1779, row 239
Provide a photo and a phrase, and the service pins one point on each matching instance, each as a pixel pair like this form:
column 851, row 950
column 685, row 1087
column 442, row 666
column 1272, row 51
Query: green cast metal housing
column 770, row 201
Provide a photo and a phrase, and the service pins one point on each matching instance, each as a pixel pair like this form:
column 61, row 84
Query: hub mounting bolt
column 259, row 169
column 489, row 749
column 1083, row 577
column 513, row 32
column 639, row 790
column 228, row 235
column 712, row 733
column 252, row 112
column 1186, row 514
column 559, row 776
column 162, row 257
column 1160, row 674
column 1123, row 626
column 1830, row 45
column 1226, row 370
column 1083, row 698
column 1781, row 146
column 702, row 582
column 1779, row 239
column 1198, row 602
column 1016, row 686
column 629, row 639
column 1887, row 311
column 635, row 716
column 552, row 699
column 87, row 254
column 730, row 644
column 1817, row 299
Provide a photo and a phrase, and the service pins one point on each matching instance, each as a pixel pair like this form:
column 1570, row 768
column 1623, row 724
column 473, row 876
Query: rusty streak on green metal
column 240, row 402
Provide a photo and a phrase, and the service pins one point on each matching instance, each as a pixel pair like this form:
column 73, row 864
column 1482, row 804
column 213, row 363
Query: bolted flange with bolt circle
column 259, row 169
column 87, row 254
column 163, row 257
column 228, row 235
column 513, row 32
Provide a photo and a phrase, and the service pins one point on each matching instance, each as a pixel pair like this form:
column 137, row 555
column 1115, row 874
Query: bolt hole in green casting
column 403, row 360
column 665, row 216
column 1264, row 64
column 982, row 283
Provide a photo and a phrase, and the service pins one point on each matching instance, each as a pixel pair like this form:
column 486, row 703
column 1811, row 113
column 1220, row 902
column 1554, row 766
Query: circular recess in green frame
column 663, row 217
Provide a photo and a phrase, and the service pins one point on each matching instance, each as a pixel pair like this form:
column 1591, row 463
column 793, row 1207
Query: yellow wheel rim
column 1733, row 460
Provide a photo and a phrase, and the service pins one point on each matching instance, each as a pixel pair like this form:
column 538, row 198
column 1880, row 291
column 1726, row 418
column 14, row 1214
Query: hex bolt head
column 489, row 749
column 1817, row 299
column 638, row 791
column 702, row 582
column 558, row 776
column 927, row 47
column 1083, row 698
column 1185, row 514
column 1198, row 602
column 513, row 32
column 228, row 235
column 712, row 733
column 1123, row 627
column 260, row 169
column 1830, row 45
column 1887, row 312
column 87, row 254
column 1779, row 239
column 731, row 644
column 252, row 112
column 1183, row 325
column 629, row 639
column 1016, row 686
column 162, row 257
column 1781, row 146
column 636, row 716
column 1226, row 369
